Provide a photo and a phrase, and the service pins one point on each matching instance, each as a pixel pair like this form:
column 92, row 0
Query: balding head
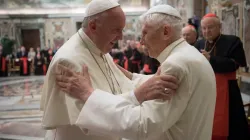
column 189, row 34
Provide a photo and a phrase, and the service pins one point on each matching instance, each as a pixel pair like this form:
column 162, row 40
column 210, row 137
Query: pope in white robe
column 60, row 110
column 187, row 116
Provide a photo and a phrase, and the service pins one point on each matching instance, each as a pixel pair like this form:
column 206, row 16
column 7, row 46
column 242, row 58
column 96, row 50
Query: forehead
column 208, row 21
column 187, row 30
column 114, row 17
column 146, row 26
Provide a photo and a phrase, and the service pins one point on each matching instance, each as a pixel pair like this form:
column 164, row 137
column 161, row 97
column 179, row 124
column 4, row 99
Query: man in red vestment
column 226, row 54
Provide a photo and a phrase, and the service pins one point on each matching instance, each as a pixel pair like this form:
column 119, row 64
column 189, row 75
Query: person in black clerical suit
column 117, row 54
column 189, row 34
column 48, row 56
column 39, row 64
column 135, row 58
column 225, row 54
column 149, row 65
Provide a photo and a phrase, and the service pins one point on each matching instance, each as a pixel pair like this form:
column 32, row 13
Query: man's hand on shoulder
column 157, row 87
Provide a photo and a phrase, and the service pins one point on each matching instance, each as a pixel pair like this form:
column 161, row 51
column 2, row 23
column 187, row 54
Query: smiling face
column 107, row 29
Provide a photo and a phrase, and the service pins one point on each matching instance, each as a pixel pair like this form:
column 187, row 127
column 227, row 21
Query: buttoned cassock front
column 187, row 116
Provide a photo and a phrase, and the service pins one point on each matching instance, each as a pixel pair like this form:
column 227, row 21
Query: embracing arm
column 117, row 116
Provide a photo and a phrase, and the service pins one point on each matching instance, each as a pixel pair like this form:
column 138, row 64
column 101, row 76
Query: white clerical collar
column 90, row 44
column 166, row 52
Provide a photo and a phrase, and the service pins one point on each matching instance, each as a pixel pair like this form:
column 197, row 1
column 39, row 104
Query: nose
column 204, row 31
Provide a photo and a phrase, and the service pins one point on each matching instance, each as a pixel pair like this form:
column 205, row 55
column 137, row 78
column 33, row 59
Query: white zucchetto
column 98, row 6
column 164, row 9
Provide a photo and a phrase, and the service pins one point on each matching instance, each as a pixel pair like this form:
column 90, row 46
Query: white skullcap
column 164, row 9
column 98, row 6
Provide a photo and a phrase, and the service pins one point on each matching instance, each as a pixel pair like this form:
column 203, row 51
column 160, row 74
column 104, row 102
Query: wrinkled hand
column 206, row 54
column 77, row 85
column 157, row 87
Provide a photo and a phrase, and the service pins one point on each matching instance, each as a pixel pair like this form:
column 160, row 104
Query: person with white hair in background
column 91, row 46
column 226, row 55
column 188, row 115
column 189, row 34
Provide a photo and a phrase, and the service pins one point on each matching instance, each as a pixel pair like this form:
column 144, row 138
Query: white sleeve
column 138, row 79
column 114, row 115
column 130, row 96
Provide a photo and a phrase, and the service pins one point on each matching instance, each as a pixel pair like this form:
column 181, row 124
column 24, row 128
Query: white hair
column 86, row 20
column 159, row 19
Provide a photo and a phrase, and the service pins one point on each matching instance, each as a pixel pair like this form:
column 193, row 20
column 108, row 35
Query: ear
column 92, row 25
column 166, row 32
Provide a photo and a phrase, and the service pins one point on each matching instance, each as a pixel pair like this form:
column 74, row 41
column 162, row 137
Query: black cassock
column 135, row 61
column 126, row 60
column 3, row 66
column 226, row 57
column 150, row 65
column 48, row 60
column 118, row 58
column 39, row 64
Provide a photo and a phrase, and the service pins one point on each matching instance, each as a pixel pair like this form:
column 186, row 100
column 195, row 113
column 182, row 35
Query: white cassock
column 60, row 110
column 187, row 116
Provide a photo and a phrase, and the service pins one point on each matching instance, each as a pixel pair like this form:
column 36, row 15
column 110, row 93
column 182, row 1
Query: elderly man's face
column 152, row 39
column 210, row 28
column 110, row 29
column 189, row 35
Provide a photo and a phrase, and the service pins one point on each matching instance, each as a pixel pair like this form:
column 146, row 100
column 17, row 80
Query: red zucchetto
column 210, row 15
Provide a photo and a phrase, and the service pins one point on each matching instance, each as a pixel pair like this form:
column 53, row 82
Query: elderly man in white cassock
column 102, row 27
column 188, row 115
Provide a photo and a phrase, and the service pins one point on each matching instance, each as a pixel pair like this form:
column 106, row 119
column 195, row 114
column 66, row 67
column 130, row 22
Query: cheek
column 107, row 38
column 204, row 33
column 150, row 39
